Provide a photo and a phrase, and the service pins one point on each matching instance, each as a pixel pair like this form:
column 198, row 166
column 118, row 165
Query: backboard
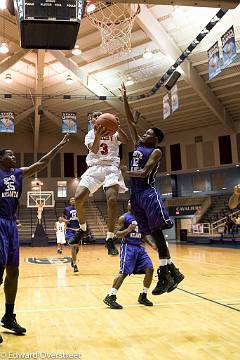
column 44, row 198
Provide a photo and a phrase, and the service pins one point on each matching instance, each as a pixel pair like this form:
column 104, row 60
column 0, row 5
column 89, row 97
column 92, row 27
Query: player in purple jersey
column 146, row 201
column 10, row 191
column 72, row 225
column 133, row 259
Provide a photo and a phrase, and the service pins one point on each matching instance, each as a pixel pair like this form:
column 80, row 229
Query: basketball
column 108, row 121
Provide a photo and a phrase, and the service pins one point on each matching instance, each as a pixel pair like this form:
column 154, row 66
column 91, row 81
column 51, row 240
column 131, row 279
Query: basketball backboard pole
column 225, row 4
column 40, row 199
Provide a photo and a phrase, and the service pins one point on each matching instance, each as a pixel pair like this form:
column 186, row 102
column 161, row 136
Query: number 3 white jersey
column 108, row 153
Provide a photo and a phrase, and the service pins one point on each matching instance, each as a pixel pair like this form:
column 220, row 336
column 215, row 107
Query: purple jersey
column 10, row 192
column 140, row 157
column 71, row 214
column 146, row 202
column 134, row 237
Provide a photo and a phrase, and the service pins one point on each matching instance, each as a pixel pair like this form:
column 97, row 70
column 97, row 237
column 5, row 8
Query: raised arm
column 122, row 136
column 234, row 199
column 131, row 124
column 151, row 163
column 43, row 162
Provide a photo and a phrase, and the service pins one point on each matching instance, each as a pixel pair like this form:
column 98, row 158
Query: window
column 62, row 189
column 175, row 155
column 225, row 149
column 68, row 165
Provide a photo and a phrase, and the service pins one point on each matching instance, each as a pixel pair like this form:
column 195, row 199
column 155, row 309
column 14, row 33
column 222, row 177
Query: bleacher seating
column 96, row 220
column 218, row 209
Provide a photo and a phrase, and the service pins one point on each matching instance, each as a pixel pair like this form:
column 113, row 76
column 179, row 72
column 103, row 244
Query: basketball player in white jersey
column 60, row 228
column 103, row 170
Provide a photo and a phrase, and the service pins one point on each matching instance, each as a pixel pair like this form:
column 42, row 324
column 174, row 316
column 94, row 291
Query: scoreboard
column 49, row 24
column 51, row 10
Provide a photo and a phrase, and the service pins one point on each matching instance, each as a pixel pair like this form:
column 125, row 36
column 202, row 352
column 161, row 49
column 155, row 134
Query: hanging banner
column 89, row 123
column 7, row 122
column 166, row 106
column 214, row 65
column 69, row 123
column 229, row 47
column 174, row 98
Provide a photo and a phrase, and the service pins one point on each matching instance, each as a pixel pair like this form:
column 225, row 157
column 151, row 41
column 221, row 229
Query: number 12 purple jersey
column 140, row 157
column 146, row 202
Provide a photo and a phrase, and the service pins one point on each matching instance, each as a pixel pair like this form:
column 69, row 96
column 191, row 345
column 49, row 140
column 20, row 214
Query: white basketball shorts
column 61, row 238
column 102, row 175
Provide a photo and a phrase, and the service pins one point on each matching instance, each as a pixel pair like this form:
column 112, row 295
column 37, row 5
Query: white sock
column 110, row 235
column 163, row 262
column 169, row 261
column 113, row 291
column 145, row 290
column 83, row 226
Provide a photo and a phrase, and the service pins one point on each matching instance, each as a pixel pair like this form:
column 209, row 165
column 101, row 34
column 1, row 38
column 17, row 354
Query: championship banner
column 214, row 65
column 6, row 122
column 229, row 47
column 89, row 124
column 69, row 123
column 174, row 98
column 166, row 106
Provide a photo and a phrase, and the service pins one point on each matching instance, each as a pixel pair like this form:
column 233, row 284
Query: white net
column 115, row 22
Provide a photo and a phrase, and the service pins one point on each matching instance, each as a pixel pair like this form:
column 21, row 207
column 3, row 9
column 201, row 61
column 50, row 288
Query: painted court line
column 218, row 302
column 207, row 263
column 125, row 305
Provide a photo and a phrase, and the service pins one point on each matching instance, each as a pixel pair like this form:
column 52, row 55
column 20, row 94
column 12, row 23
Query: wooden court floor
column 65, row 316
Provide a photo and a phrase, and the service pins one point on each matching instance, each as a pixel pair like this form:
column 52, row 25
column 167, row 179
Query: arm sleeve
column 89, row 138
column 115, row 136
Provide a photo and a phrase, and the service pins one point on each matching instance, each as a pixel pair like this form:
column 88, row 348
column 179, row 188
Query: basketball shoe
column 176, row 275
column 165, row 282
column 112, row 250
column 142, row 299
column 75, row 268
column 110, row 300
column 10, row 322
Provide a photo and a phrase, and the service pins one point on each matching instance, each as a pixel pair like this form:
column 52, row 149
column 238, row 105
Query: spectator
column 237, row 223
column 228, row 225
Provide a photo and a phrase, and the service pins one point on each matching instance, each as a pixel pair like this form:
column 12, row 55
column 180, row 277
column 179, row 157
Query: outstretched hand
column 65, row 139
column 237, row 190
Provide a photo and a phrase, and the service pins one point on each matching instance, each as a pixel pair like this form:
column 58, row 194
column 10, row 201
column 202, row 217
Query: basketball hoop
column 115, row 22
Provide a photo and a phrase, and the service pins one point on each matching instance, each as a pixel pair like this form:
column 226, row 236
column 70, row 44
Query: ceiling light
column 8, row 78
column 4, row 48
column 129, row 81
column 3, row 4
column 69, row 80
column 147, row 54
column 76, row 51
column 90, row 8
